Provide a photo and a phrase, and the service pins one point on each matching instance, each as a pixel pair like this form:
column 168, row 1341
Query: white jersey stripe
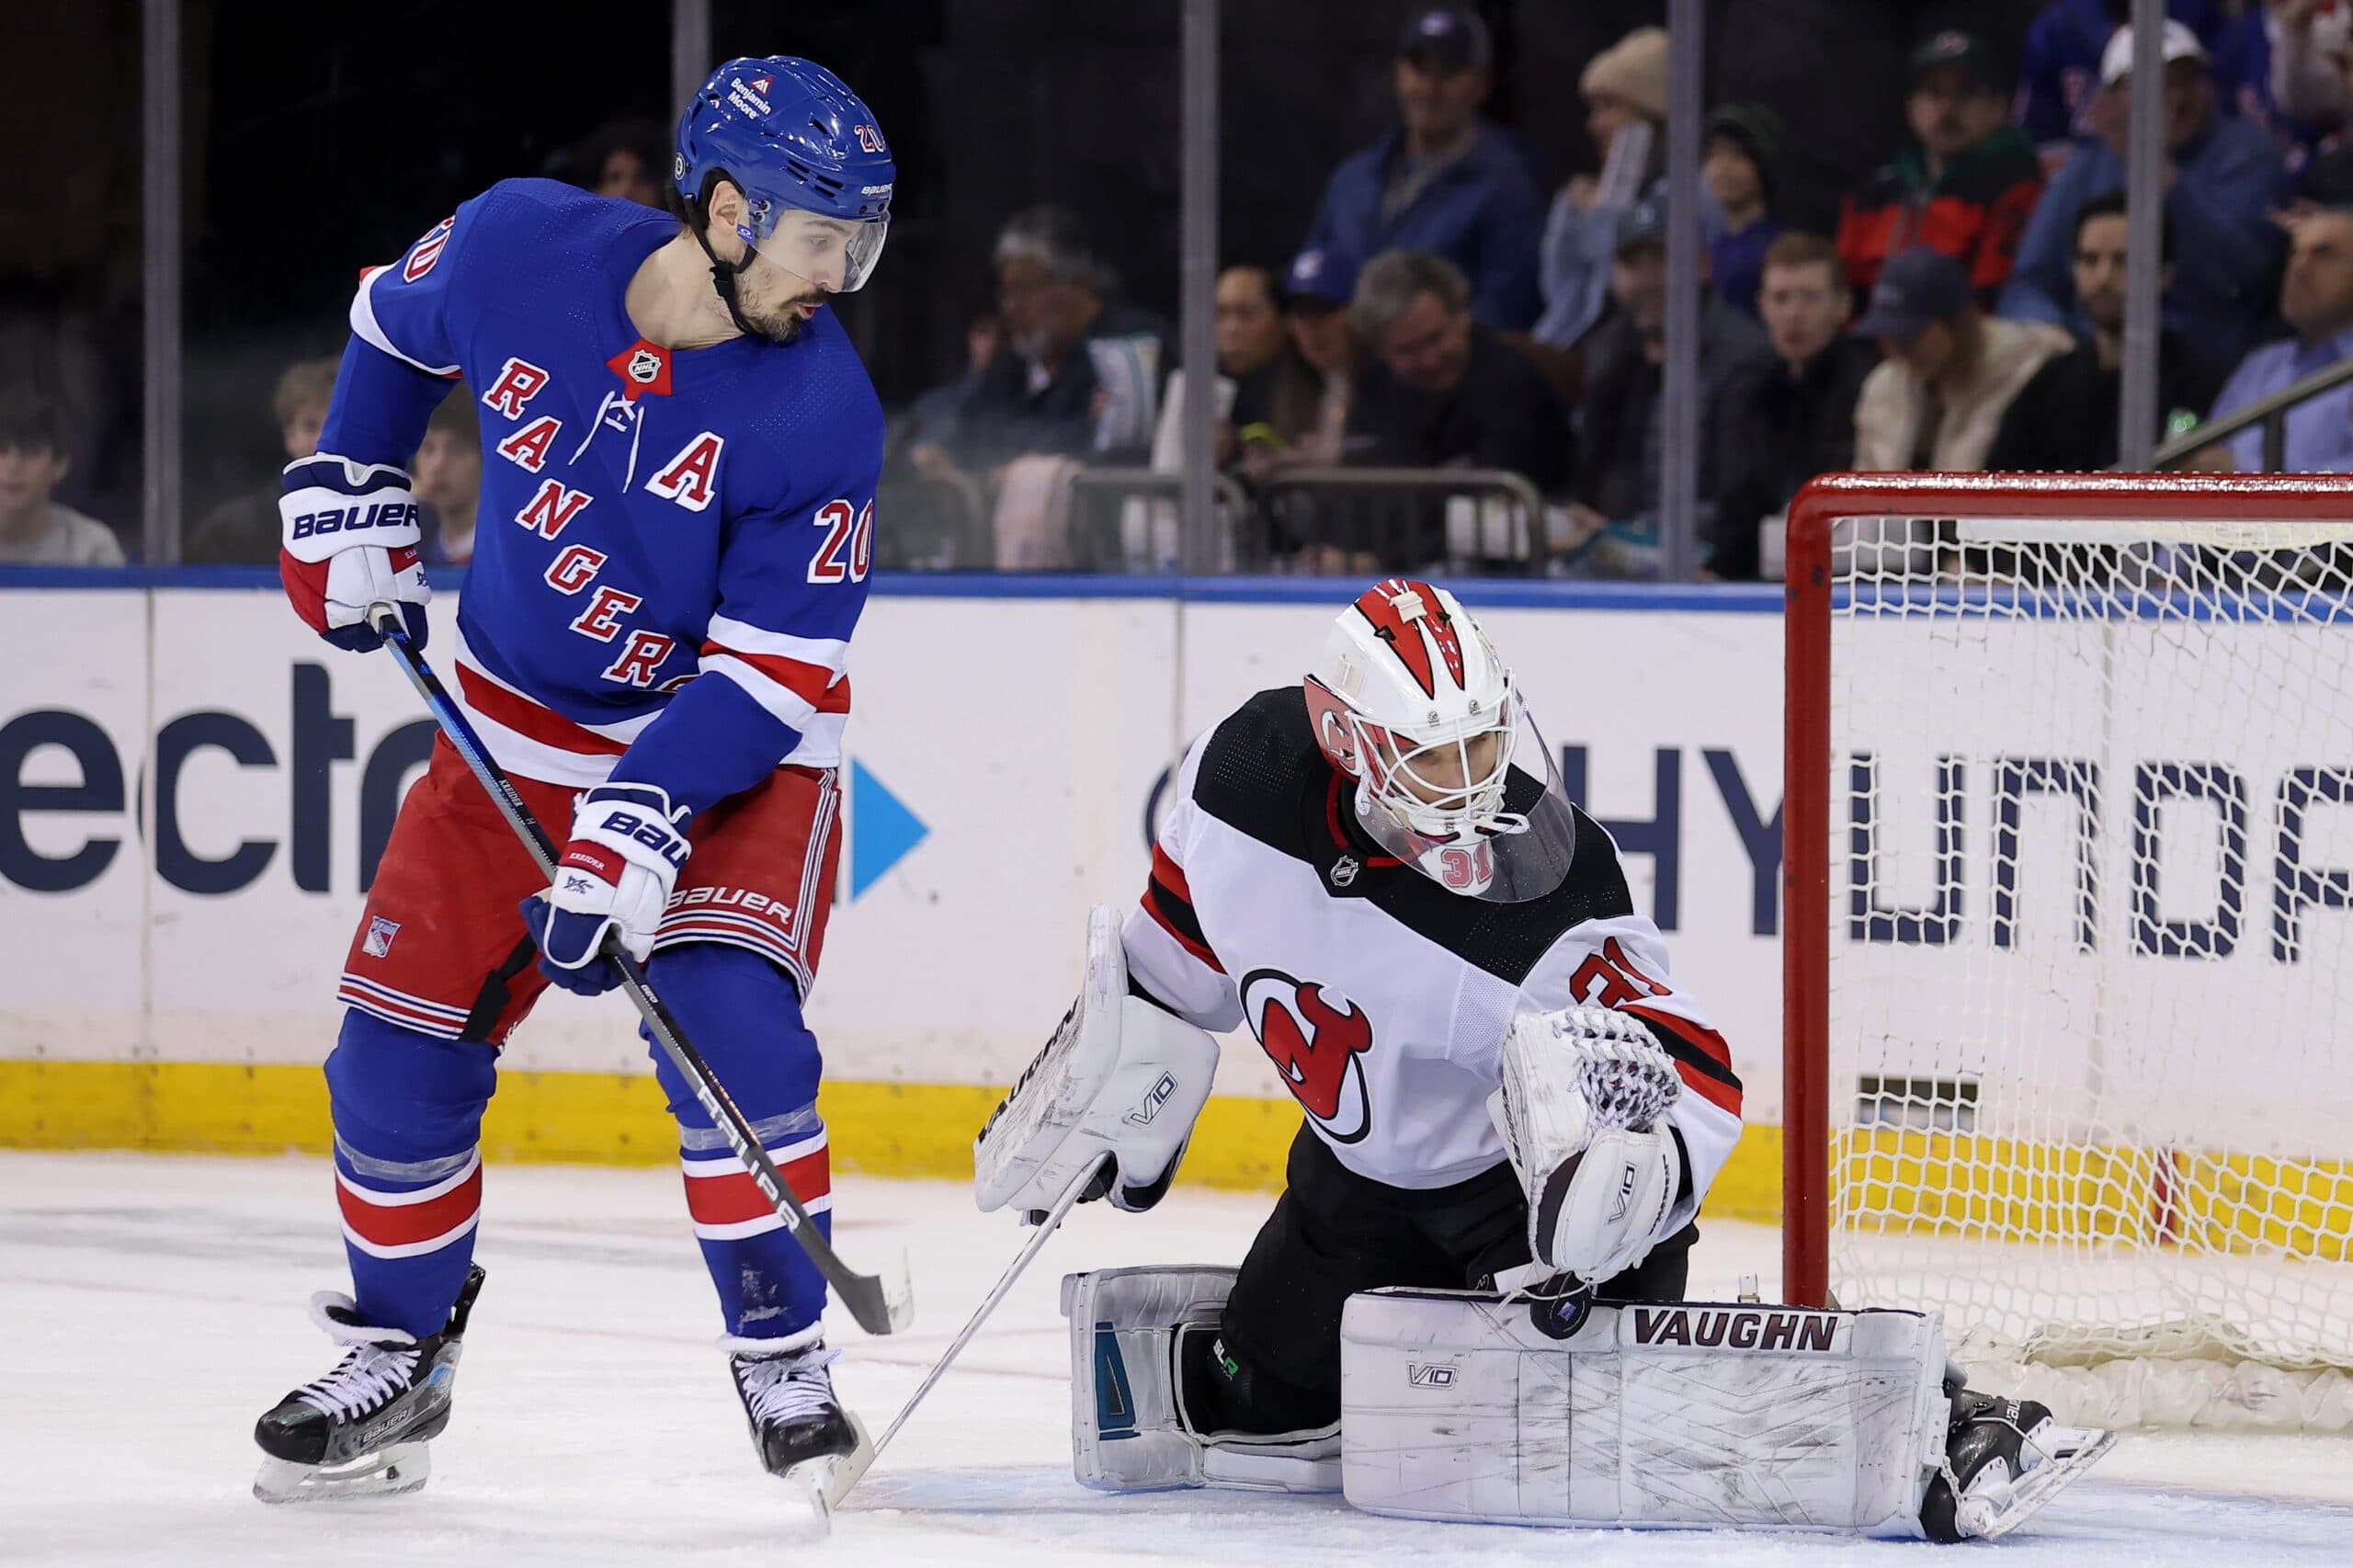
column 828, row 653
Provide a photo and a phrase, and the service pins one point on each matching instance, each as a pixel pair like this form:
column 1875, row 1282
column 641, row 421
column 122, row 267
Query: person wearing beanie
column 1447, row 180
column 1737, row 164
column 1964, row 181
column 1624, row 88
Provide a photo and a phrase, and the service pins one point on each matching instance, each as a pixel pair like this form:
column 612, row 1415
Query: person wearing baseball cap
column 1964, row 180
column 1446, row 181
column 2222, row 179
column 1936, row 398
column 2060, row 59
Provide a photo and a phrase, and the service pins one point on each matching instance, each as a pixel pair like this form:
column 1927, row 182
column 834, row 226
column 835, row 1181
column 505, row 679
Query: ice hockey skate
column 798, row 1424
column 361, row 1430
column 2004, row 1458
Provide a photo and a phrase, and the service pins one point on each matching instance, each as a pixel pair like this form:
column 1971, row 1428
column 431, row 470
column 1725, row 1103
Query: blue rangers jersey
column 672, row 546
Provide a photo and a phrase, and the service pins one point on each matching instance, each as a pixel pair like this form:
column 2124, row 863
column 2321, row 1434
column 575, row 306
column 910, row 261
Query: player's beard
column 780, row 320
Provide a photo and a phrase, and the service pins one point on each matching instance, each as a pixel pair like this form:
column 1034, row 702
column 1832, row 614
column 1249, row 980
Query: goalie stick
column 852, row 1469
column 877, row 1307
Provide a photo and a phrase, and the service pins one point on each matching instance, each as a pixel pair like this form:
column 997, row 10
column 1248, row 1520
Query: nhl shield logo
column 380, row 932
column 1345, row 869
column 643, row 366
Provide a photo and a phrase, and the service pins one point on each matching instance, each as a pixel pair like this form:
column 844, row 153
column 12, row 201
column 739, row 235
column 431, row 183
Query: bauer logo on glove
column 616, row 878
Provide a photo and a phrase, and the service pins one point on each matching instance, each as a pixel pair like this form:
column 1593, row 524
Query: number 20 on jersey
column 847, row 552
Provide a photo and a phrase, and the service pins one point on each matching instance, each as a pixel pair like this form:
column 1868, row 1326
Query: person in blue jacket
column 1447, row 180
column 2059, row 65
column 2223, row 179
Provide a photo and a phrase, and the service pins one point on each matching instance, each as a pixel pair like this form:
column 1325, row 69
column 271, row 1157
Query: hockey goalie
column 1466, row 1302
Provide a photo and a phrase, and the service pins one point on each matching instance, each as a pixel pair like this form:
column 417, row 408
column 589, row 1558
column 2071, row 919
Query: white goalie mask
column 1451, row 776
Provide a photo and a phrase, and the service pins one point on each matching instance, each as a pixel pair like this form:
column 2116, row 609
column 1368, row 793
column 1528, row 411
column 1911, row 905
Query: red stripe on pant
column 405, row 1224
column 733, row 1198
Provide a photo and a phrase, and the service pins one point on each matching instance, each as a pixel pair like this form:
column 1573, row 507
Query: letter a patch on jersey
column 1314, row 1036
column 691, row 478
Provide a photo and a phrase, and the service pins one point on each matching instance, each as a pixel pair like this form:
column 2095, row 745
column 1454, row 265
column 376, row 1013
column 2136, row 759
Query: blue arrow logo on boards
column 882, row 832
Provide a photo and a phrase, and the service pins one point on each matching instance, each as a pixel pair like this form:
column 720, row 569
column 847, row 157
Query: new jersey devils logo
column 1314, row 1036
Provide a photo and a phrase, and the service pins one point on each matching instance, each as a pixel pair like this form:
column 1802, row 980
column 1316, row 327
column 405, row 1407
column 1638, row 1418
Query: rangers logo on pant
column 380, row 932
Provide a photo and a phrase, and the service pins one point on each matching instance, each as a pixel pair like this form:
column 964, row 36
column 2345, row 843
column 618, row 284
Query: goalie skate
column 2004, row 1460
column 361, row 1430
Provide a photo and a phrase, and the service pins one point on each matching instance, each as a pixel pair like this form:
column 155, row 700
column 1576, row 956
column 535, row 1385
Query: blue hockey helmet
column 807, row 155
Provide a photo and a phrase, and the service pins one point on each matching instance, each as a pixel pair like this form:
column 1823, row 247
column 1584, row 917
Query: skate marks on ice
column 1036, row 1516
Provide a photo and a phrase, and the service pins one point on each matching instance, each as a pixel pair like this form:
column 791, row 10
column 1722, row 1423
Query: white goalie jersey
column 1382, row 998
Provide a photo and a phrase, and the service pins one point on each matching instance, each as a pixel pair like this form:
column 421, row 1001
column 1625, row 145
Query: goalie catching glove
column 1585, row 1091
column 616, row 875
column 1121, row 1077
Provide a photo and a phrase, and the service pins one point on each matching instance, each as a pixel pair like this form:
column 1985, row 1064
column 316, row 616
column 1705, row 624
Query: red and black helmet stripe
column 1378, row 605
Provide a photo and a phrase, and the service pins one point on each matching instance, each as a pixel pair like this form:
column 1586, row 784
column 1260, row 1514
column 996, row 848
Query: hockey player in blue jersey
column 677, row 520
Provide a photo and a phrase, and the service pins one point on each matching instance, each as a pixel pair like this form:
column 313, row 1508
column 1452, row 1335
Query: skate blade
column 1991, row 1515
column 853, row 1466
column 388, row 1473
column 810, row 1482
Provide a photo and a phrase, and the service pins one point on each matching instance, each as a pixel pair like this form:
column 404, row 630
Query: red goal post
column 1940, row 570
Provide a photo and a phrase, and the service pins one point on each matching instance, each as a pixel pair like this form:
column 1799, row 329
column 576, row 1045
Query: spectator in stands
column 35, row 530
column 628, row 160
column 446, row 476
column 1253, row 352
column 1440, row 387
column 2223, row 179
column 2316, row 299
column 1625, row 93
column 244, row 528
column 1951, row 370
column 1965, row 180
column 1792, row 416
column 1446, row 181
column 2065, row 419
column 1614, row 507
column 1312, row 410
column 930, row 427
column 1080, row 373
column 2284, row 62
column 2060, row 72
column 1743, row 148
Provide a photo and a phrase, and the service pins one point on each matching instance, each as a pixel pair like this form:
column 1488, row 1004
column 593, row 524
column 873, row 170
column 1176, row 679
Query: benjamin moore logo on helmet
column 750, row 97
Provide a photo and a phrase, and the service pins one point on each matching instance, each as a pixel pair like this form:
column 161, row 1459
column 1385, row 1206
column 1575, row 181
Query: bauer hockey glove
column 616, row 875
column 347, row 540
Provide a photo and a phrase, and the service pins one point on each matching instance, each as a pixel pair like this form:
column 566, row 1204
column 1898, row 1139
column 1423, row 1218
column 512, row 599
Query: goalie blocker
column 1457, row 1405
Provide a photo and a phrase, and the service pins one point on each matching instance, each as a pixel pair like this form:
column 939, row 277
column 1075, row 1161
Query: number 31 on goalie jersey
column 847, row 552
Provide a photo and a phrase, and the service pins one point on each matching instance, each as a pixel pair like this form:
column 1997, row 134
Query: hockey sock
column 743, row 1014
column 407, row 1114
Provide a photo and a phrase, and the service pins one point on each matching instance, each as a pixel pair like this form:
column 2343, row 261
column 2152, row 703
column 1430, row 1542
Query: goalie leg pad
column 1128, row 1425
column 1455, row 1407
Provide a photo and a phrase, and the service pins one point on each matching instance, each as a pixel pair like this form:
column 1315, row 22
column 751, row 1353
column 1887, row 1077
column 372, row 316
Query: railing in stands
column 2271, row 412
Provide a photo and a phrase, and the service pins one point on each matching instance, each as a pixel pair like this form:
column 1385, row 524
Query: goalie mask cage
column 2068, row 1023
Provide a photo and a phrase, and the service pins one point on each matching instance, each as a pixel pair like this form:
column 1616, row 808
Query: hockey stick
column 877, row 1307
column 852, row 1469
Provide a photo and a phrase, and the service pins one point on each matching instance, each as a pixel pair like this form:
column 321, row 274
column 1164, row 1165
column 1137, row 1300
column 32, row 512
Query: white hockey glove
column 1120, row 1077
column 1584, row 1092
column 347, row 542
column 616, row 875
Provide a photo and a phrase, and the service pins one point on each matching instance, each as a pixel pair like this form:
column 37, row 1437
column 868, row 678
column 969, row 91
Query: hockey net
column 2070, row 945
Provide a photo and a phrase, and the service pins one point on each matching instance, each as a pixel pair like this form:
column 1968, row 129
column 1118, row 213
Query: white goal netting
column 2091, row 957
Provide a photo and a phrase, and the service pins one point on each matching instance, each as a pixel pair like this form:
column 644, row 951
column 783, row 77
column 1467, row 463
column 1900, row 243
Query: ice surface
column 151, row 1307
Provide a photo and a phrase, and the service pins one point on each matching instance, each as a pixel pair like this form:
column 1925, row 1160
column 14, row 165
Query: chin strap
column 723, row 274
